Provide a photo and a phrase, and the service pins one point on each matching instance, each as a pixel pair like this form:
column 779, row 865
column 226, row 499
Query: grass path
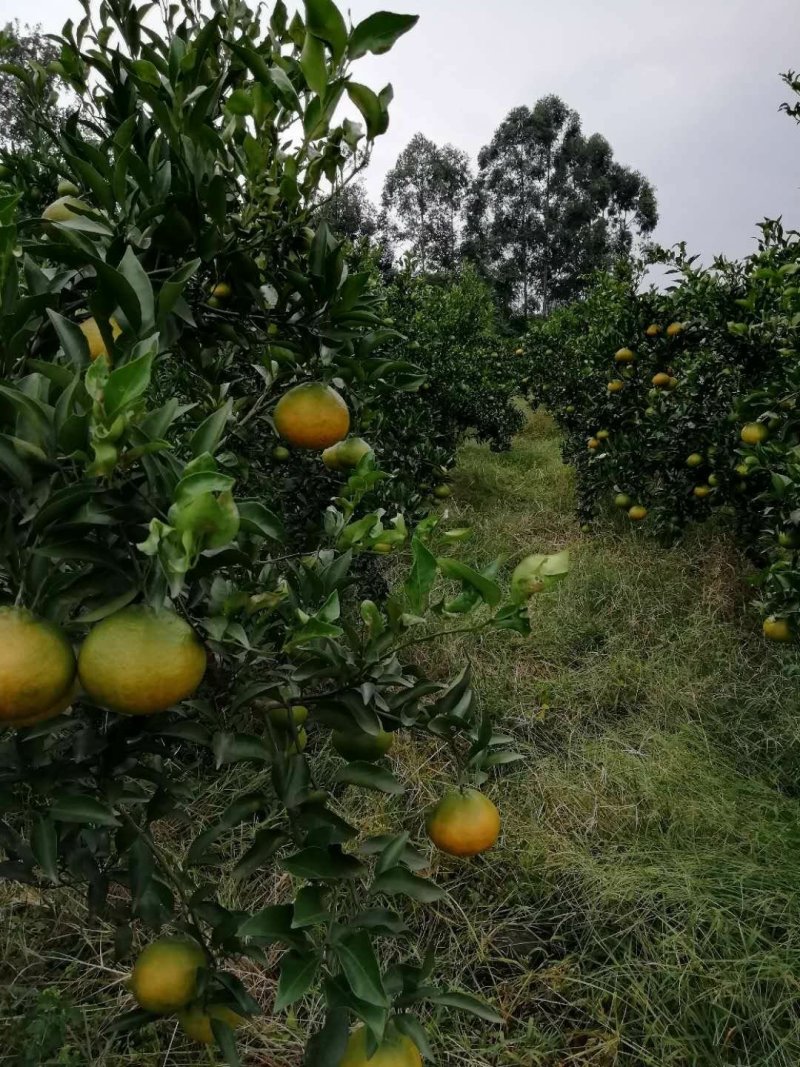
column 643, row 906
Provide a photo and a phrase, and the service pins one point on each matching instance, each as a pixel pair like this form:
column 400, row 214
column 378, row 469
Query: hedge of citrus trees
column 682, row 404
column 185, row 358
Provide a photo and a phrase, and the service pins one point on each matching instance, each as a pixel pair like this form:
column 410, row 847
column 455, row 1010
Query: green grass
column 643, row 906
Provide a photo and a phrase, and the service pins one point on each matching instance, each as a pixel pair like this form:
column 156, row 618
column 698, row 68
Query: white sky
column 687, row 91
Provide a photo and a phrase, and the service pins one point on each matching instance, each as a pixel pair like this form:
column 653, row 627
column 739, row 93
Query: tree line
column 547, row 206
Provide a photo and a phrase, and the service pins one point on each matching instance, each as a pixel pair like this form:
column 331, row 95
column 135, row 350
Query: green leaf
column 324, row 20
column 360, row 966
column 309, row 908
column 209, row 433
column 235, row 748
column 422, row 576
column 298, row 971
column 488, row 590
column 401, row 882
column 312, row 64
column 127, row 383
column 257, row 519
column 369, row 776
column 323, row 865
column 226, row 1042
column 265, row 845
column 72, row 340
column 465, row 1002
column 411, row 1026
column 378, row 33
column 136, row 276
column 381, row 920
column 272, row 924
column 146, row 72
column 370, row 107
column 44, row 844
column 76, row 807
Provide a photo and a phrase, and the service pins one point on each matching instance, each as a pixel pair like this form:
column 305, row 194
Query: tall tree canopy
column 351, row 214
column 26, row 48
column 549, row 205
column 423, row 197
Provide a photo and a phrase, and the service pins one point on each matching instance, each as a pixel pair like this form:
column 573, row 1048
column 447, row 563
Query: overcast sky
column 687, row 91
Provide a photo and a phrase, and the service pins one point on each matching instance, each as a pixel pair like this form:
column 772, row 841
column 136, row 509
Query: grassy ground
column 643, row 907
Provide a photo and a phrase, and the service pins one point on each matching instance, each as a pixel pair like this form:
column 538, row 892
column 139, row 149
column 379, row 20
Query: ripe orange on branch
column 37, row 668
column 464, row 823
column 196, row 1021
column 396, row 1050
column 164, row 976
column 140, row 661
column 312, row 415
column 94, row 339
column 777, row 629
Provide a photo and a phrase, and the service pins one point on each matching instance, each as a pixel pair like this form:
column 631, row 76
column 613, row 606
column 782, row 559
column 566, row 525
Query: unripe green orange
column 356, row 745
column 164, row 976
column 754, row 433
column 140, row 661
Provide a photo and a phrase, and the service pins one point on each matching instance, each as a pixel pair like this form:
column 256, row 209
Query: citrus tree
column 181, row 345
column 684, row 404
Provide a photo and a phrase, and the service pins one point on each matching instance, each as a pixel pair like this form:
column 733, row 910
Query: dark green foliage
column 423, row 198
column 550, row 205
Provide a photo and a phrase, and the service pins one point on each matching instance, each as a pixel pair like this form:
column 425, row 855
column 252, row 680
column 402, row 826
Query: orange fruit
column 603, row 435
column 622, row 500
column 464, row 823
column 624, row 355
column 164, row 976
column 345, row 454
column 777, row 629
column 196, row 1021
column 312, row 416
column 661, row 380
column 49, row 713
column 616, row 385
column 64, row 209
column 701, row 491
column 695, row 460
column 94, row 339
column 592, row 443
column 37, row 668
column 279, row 716
column 222, row 291
column 442, row 492
column 675, row 328
column 140, row 661
column 396, row 1050
column 637, row 513
column 754, row 433
column 653, row 330
column 353, row 745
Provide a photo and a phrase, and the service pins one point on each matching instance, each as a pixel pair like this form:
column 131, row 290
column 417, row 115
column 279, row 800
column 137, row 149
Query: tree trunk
column 546, row 220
